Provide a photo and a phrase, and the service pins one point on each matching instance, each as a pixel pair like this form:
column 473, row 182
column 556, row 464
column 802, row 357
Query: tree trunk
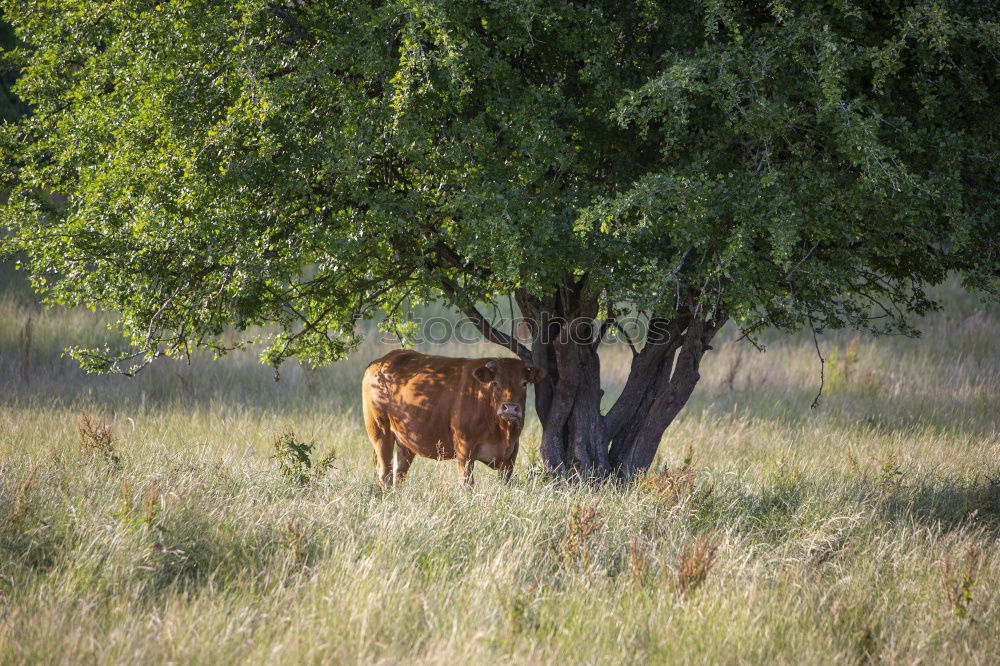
column 577, row 439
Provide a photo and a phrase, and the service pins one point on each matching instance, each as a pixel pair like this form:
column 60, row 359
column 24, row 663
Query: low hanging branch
column 822, row 365
column 489, row 332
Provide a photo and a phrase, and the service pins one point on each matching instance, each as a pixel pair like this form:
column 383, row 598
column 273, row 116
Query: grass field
column 865, row 530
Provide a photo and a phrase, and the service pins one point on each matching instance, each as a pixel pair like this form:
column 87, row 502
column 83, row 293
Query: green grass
column 864, row 530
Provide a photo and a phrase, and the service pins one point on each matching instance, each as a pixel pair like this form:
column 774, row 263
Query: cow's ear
column 535, row 374
column 485, row 373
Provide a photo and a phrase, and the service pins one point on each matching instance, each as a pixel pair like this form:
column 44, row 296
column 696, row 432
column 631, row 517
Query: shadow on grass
column 782, row 507
column 852, row 407
column 128, row 543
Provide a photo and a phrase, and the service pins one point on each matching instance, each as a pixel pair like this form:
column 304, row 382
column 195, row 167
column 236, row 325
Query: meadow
column 147, row 521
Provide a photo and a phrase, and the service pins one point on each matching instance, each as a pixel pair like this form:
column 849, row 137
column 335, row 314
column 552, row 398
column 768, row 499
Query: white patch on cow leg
column 401, row 459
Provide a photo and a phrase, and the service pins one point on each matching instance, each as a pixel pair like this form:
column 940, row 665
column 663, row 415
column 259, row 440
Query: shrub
column 97, row 439
column 295, row 460
column 694, row 564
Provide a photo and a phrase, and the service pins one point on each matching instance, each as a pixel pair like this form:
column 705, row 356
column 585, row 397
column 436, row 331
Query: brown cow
column 443, row 408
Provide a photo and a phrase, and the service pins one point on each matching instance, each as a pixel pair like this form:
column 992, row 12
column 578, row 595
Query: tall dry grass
column 865, row 530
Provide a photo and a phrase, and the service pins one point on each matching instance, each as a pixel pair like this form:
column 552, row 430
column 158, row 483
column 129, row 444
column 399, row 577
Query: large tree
column 232, row 163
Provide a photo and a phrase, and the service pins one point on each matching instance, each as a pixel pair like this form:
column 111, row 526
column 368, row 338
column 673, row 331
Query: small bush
column 694, row 564
column 891, row 472
column 295, row 460
column 97, row 439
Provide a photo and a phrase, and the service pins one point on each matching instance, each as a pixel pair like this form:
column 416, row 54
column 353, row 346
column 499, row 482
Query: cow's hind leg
column 401, row 460
column 383, row 441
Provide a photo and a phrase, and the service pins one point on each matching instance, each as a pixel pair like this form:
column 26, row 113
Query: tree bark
column 636, row 442
column 577, row 439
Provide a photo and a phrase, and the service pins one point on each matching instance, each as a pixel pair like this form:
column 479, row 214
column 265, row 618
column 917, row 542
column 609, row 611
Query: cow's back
column 416, row 395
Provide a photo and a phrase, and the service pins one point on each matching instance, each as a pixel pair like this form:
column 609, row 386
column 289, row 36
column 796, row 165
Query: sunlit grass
column 842, row 533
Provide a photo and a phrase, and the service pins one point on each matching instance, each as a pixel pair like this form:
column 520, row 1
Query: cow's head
column 507, row 382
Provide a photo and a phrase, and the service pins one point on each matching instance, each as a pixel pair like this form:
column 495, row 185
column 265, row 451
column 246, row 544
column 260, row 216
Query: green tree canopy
column 230, row 164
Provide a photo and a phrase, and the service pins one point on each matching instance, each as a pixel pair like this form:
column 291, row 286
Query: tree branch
column 822, row 363
column 613, row 323
column 487, row 329
column 648, row 367
column 297, row 31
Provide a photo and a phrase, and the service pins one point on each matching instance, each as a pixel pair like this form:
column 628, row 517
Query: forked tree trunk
column 576, row 437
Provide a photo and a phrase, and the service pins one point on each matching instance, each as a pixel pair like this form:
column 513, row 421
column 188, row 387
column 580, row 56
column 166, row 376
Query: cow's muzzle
column 510, row 411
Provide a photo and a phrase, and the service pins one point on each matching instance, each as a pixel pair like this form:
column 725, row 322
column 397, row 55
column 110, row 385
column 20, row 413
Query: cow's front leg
column 505, row 468
column 465, row 467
